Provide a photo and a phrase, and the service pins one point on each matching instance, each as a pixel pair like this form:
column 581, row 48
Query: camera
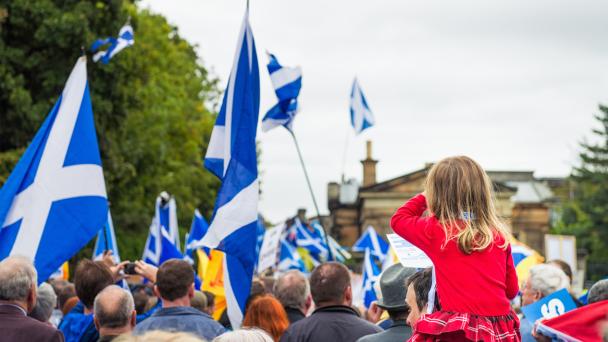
column 130, row 268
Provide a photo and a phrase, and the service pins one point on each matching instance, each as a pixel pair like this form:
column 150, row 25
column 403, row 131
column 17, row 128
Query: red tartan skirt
column 453, row 326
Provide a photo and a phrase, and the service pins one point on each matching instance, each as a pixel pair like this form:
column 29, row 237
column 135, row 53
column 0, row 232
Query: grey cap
column 392, row 286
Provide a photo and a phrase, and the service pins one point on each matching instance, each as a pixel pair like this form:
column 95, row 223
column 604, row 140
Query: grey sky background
column 513, row 84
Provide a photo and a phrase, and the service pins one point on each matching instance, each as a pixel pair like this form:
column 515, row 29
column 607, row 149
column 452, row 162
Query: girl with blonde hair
column 469, row 247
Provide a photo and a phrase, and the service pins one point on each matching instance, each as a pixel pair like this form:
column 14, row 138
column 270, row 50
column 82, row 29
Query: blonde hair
column 458, row 191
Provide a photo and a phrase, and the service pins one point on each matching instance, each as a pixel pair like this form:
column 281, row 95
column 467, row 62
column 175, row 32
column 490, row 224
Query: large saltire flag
column 372, row 241
column 231, row 156
column 371, row 273
column 163, row 239
column 198, row 229
column 524, row 258
column 287, row 82
column 125, row 39
column 361, row 117
column 55, row 201
column 106, row 241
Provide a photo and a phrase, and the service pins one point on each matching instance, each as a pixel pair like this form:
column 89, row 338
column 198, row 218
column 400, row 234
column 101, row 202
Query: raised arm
column 408, row 222
column 512, row 282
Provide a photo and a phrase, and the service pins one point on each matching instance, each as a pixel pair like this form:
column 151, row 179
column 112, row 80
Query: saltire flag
column 125, row 39
column 582, row 324
column 310, row 240
column 261, row 230
column 163, row 240
column 371, row 272
column 524, row 258
column 198, row 229
column 372, row 241
column 289, row 258
column 287, row 82
column 361, row 117
column 106, row 240
column 231, row 156
column 55, row 201
column 339, row 253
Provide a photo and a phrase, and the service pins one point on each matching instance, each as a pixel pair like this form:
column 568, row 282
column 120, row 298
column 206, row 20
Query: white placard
column 561, row 247
column 408, row 254
column 270, row 248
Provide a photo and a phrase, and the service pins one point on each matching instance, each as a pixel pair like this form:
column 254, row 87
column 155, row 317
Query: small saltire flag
column 372, row 241
column 371, row 272
column 287, row 83
column 361, row 117
column 310, row 240
column 125, row 39
column 163, row 240
column 197, row 231
column 55, row 201
column 289, row 258
column 106, row 241
column 339, row 253
column 231, row 156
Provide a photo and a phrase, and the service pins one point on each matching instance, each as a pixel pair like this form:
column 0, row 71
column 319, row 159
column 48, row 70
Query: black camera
column 130, row 268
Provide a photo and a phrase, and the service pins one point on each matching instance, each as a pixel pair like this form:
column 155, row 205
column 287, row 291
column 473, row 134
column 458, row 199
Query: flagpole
column 105, row 235
column 312, row 194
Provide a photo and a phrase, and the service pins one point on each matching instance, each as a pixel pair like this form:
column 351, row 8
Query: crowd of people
column 467, row 295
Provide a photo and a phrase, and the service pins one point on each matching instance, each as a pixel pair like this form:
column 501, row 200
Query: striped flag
column 106, row 240
column 289, row 258
column 371, row 273
column 125, row 39
column 231, row 156
column 163, row 240
column 372, row 241
column 361, row 117
column 198, row 229
column 287, row 83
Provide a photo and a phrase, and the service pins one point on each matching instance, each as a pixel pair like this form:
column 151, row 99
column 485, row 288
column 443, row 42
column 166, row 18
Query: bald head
column 292, row 290
column 18, row 279
column 114, row 308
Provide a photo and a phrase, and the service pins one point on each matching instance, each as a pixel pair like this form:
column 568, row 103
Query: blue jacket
column 78, row 327
column 181, row 318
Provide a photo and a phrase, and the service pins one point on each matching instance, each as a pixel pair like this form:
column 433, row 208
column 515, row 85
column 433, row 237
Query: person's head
column 210, row 302
column 18, row 280
column 257, row 289
column 542, row 281
column 46, row 301
column 59, row 285
column 199, row 301
column 65, row 293
column 267, row 313
column 293, row 291
column 140, row 298
column 244, row 335
column 114, row 311
column 459, row 193
column 159, row 336
column 69, row 305
column 175, row 281
column 418, row 286
column 598, row 292
column 89, row 279
column 393, row 294
column 562, row 266
column 330, row 285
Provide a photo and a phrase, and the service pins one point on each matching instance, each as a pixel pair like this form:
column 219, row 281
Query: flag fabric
column 231, row 156
column 289, row 258
column 372, row 241
column 125, row 39
column 163, row 240
column 339, row 253
column 310, row 240
column 287, row 83
column 524, row 258
column 361, row 117
column 55, row 201
column 198, row 229
column 106, row 240
column 390, row 260
column 213, row 281
column 582, row 324
column 62, row 272
column 371, row 273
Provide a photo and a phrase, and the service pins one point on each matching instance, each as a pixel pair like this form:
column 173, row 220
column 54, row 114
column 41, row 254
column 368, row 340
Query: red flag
column 582, row 324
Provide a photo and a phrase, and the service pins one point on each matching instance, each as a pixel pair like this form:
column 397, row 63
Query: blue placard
column 553, row 305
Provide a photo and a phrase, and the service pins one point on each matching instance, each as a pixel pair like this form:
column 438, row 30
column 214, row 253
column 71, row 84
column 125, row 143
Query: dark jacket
column 399, row 331
column 294, row 315
column 331, row 323
column 16, row 326
column 182, row 318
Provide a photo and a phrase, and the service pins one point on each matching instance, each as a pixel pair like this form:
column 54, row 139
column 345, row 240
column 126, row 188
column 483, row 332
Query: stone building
column 526, row 203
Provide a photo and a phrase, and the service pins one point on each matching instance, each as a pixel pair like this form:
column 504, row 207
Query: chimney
column 369, row 166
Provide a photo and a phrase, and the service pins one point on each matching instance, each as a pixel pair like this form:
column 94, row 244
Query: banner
column 553, row 305
column 270, row 248
column 408, row 254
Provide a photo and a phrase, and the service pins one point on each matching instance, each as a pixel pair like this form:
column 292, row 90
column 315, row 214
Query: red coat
column 480, row 283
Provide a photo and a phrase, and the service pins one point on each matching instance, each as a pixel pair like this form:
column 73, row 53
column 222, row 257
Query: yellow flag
column 523, row 267
column 213, row 281
column 203, row 262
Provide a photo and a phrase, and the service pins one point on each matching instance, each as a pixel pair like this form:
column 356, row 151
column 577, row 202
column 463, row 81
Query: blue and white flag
column 287, row 83
column 125, row 39
column 371, row 273
column 361, row 117
column 311, row 240
column 106, row 241
column 197, row 231
column 163, row 240
column 231, row 155
column 337, row 251
column 289, row 258
column 372, row 241
column 55, row 201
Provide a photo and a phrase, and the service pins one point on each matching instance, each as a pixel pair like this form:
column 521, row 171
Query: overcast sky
column 512, row 84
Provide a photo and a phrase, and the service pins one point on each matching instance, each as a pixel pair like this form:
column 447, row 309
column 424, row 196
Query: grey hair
column 113, row 307
column 547, row 279
column 598, row 292
column 46, row 301
column 244, row 335
column 17, row 276
column 292, row 289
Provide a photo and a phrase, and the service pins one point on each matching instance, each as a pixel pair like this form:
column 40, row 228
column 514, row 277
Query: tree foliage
column 586, row 215
column 152, row 103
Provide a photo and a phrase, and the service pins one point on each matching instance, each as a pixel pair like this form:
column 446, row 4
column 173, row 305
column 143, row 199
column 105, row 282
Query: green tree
column 153, row 103
column 586, row 215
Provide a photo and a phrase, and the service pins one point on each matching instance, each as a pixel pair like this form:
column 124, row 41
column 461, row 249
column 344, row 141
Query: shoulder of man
column 41, row 332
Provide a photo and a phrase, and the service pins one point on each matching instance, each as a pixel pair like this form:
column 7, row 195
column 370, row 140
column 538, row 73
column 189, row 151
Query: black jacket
column 331, row 323
column 398, row 332
column 294, row 315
